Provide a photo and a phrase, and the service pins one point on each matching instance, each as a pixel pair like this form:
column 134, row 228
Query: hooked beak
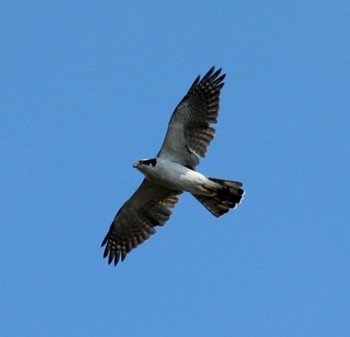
column 137, row 164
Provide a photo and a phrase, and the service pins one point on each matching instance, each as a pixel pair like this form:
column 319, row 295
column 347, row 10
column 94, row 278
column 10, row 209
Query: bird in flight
column 172, row 172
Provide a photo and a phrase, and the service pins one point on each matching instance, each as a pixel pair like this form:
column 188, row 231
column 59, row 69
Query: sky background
column 88, row 87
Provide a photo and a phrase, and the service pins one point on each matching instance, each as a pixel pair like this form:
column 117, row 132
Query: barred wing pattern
column 189, row 132
column 147, row 208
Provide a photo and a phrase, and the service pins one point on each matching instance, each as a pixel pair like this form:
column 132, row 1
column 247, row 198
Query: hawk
column 172, row 171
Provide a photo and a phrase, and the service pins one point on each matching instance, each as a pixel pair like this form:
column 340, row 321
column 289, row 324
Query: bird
column 172, row 172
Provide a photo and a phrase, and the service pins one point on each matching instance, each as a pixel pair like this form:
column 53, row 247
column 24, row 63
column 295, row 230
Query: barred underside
column 136, row 221
column 227, row 196
column 190, row 132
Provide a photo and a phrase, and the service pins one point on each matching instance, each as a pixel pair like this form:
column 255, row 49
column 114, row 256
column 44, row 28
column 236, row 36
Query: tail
column 227, row 195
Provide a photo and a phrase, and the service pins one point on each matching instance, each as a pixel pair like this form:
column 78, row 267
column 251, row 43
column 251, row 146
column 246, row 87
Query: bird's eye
column 149, row 162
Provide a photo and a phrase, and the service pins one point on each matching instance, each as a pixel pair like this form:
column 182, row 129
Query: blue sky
column 88, row 87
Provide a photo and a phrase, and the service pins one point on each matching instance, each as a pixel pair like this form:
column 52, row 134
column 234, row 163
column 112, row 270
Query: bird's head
column 143, row 163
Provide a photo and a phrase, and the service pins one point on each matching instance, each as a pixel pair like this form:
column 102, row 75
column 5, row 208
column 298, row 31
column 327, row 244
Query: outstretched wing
column 189, row 131
column 148, row 207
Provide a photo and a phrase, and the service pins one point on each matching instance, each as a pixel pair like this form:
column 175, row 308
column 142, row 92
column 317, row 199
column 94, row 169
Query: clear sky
column 88, row 87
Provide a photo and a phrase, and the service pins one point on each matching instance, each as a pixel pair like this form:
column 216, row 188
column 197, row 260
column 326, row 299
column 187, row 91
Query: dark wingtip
column 110, row 258
column 217, row 72
column 104, row 241
column 105, row 253
column 195, row 82
column 211, row 70
column 208, row 74
column 212, row 75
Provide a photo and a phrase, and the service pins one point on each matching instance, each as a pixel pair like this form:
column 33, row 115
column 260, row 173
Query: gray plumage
column 189, row 132
column 188, row 136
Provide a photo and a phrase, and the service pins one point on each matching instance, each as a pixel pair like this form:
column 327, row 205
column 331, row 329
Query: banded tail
column 228, row 195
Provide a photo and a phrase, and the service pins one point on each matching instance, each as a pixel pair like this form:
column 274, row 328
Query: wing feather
column 147, row 208
column 189, row 132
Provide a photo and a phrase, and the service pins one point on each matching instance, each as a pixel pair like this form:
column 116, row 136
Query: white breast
column 175, row 176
